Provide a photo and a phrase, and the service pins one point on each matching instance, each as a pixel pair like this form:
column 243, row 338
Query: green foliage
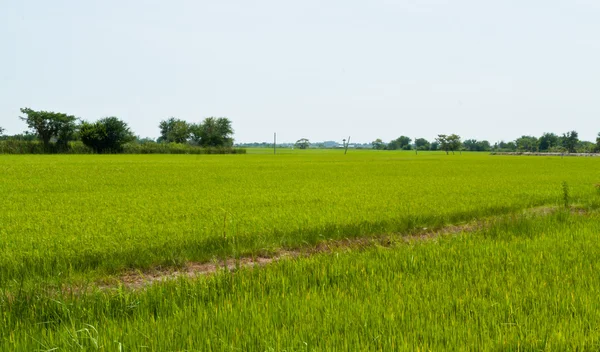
column 570, row 140
column 527, row 144
column 174, row 131
column 449, row 143
column 503, row 146
column 378, row 144
column 25, row 146
column 50, row 125
column 585, row 147
column 25, row 136
column 213, row 132
column 302, row 143
column 107, row 135
column 422, row 144
column 548, row 141
column 151, row 147
column 474, row 145
column 16, row 146
column 2, row 131
column 400, row 143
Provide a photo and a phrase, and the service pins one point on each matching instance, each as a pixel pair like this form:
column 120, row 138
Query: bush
column 176, row 148
column 107, row 135
column 13, row 146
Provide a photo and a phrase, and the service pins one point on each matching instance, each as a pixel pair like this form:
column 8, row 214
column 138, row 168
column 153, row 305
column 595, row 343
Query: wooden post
column 346, row 150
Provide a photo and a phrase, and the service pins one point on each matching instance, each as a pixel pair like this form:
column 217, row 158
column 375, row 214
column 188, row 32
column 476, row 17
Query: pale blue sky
column 317, row 69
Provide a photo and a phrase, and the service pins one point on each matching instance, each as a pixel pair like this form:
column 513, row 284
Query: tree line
column 56, row 130
column 568, row 142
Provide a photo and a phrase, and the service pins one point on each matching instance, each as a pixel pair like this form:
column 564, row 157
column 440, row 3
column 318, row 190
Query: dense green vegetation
column 12, row 146
column 523, row 284
column 568, row 142
column 73, row 221
column 59, row 133
column 73, row 214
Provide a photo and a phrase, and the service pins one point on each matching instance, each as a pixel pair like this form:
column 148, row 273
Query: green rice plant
column 565, row 194
column 526, row 283
column 83, row 217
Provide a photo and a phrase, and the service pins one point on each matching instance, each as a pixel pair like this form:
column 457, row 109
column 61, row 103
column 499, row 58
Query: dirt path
column 140, row 279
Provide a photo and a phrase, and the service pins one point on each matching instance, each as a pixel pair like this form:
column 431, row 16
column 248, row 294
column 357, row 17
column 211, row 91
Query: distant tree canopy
column 505, row 146
column 598, row 143
column 1, row 131
column 213, row 132
column 570, row 141
column 548, row 141
column 449, row 143
column 422, row 144
column 106, row 135
column 302, row 143
column 50, row 126
column 527, row 144
column 378, row 144
column 174, row 131
column 474, row 145
column 401, row 142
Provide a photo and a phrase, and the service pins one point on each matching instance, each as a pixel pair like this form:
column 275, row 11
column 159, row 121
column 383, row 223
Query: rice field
column 527, row 281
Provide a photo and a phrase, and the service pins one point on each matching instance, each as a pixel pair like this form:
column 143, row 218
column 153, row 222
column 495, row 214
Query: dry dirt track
column 137, row 279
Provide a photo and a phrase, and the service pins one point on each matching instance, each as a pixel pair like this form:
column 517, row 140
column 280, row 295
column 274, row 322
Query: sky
column 316, row 69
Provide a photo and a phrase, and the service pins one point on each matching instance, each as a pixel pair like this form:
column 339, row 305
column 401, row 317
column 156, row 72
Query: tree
column 586, row 147
column 527, row 144
column 483, row 146
column 213, row 132
column 569, row 141
column 1, row 130
column 106, row 135
column 454, row 142
column 422, row 144
column 470, row 145
column 449, row 143
column 50, row 125
column 503, row 146
column 474, row 145
column 548, row 141
column 435, row 145
column 401, row 142
column 442, row 141
column 302, row 143
column 378, row 144
column 598, row 143
column 174, row 131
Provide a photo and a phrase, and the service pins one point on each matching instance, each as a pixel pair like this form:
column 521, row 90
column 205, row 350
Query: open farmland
column 528, row 280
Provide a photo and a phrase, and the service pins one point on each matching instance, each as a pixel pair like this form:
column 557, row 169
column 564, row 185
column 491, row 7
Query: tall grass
column 526, row 283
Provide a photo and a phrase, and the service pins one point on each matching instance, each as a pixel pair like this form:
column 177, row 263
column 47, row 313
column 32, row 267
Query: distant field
column 78, row 218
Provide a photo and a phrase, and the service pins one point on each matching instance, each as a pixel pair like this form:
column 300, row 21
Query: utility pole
column 347, row 143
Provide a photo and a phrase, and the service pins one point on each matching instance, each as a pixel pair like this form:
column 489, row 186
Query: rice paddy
column 71, row 225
